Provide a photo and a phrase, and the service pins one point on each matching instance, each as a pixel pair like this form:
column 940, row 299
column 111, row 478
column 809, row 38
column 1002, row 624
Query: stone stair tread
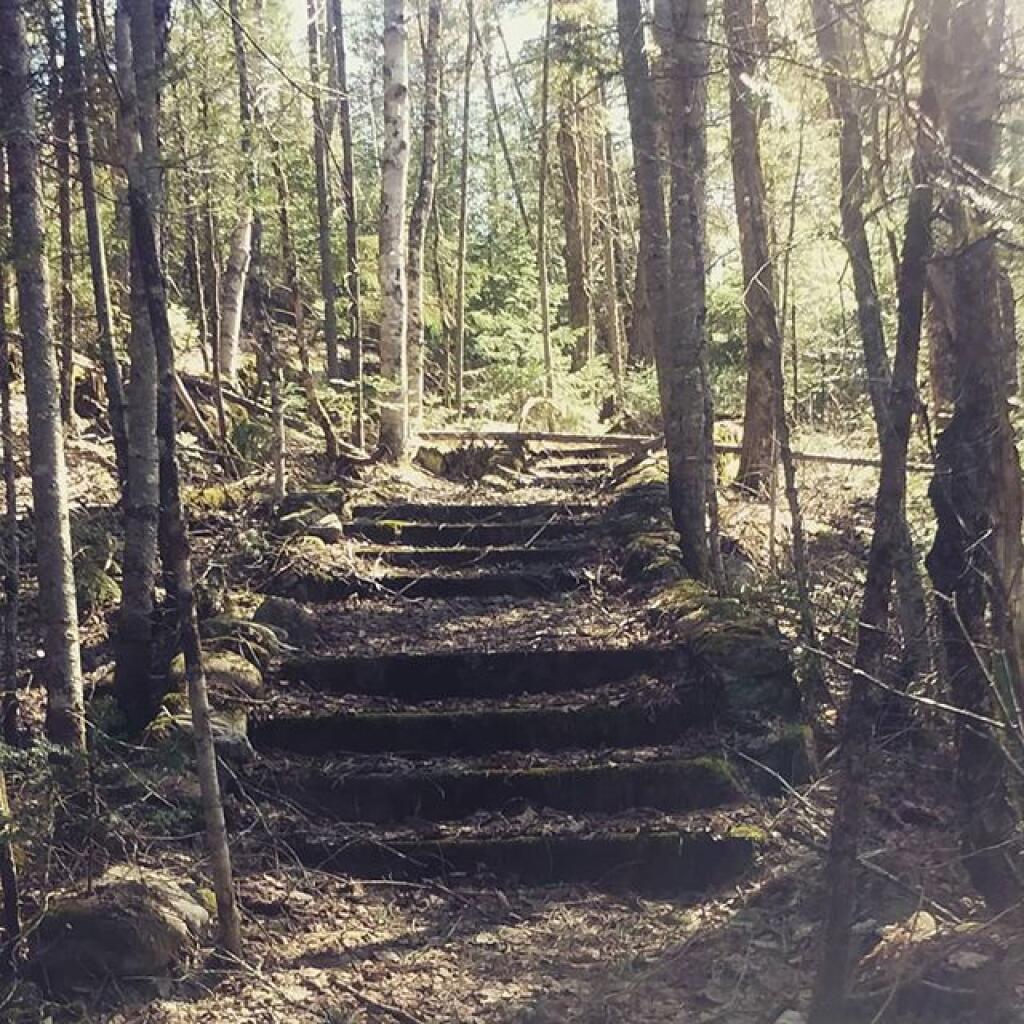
column 419, row 677
column 468, row 556
column 527, row 531
column 653, row 714
column 644, row 852
column 468, row 512
column 443, row 789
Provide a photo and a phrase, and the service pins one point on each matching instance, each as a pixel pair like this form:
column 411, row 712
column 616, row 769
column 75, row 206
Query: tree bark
column 352, row 287
column 422, row 205
column 682, row 27
column 94, row 235
column 10, row 725
column 762, row 315
column 839, row 85
column 577, row 270
column 460, row 251
column 977, row 559
column 232, row 296
column 394, row 400
column 291, row 266
column 542, row 194
column 872, row 630
column 65, row 718
column 328, row 289
column 133, row 673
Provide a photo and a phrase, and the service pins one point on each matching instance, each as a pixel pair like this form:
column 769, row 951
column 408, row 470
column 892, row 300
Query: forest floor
column 324, row 947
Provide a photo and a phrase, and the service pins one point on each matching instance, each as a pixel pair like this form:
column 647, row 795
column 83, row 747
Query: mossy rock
column 652, row 557
column 327, row 498
column 171, row 732
column 788, row 751
column 283, row 615
column 254, row 641
column 220, row 497
column 134, row 925
column 328, row 527
column 228, row 675
column 95, row 589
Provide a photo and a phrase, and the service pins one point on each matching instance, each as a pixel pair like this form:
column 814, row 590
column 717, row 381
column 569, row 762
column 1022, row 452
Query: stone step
column 473, row 557
column 563, row 467
column 665, row 781
column 569, row 725
column 591, row 453
column 426, row 512
column 653, row 860
column 573, row 480
column 446, row 535
column 468, row 674
column 318, row 587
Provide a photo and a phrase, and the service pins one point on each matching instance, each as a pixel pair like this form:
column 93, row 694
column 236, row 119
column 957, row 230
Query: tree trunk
column 60, row 111
column 94, row 234
column 762, row 316
column 232, row 296
column 499, row 127
column 542, row 194
column 682, row 27
column 977, row 560
column 573, row 215
column 872, row 629
column 10, row 725
column 328, row 289
column 291, row 267
column 422, row 206
column 831, row 46
column 133, row 674
column 62, row 671
column 460, row 252
column 610, row 315
column 352, row 288
column 394, row 400
column 181, row 571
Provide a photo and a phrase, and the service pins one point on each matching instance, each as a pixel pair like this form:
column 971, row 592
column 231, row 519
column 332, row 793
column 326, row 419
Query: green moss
column 751, row 833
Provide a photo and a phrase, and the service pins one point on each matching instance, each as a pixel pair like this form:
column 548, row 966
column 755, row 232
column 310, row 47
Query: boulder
column 297, row 622
column 328, row 527
column 228, row 674
column 135, row 925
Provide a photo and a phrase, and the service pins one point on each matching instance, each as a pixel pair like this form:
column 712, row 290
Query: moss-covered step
column 587, row 727
column 569, row 466
column 444, row 535
column 668, row 783
column 426, row 512
column 316, row 586
column 429, row 558
column 456, row 674
column 669, row 862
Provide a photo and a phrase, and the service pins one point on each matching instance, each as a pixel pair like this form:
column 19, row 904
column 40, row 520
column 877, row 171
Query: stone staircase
column 477, row 745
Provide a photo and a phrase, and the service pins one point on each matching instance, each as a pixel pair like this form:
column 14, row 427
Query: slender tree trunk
column 612, row 328
column 422, row 206
column 181, row 571
column 394, row 402
column 499, row 126
column 682, row 27
column 94, row 234
column 977, row 560
column 460, row 252
column 576, row 264
column 838, row 83
column 65, row 718
column 872, row 630
column 352, row 287
column 10, row 725
column 60, row 109
column 328, row 289
column 291, row 266
column 762, row 316
column 133, row 674
column 542, row 197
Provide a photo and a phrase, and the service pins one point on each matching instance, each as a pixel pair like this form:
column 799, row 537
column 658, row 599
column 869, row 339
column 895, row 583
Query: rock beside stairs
column 135, row 925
